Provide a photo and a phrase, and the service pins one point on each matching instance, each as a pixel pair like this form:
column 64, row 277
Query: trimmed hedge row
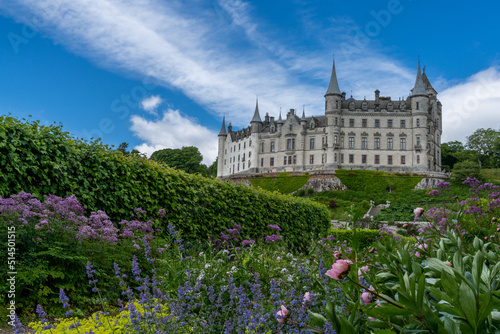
column 45, row 160
column 283, row 183
column 375, row 181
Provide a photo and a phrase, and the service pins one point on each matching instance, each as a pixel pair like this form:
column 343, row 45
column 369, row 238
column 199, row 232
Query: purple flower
column 434, row 193
column 274, row 227
column 247, row 242
column 273, row 238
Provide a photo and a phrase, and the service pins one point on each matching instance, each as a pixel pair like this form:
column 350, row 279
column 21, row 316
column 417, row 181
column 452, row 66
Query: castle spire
column 256, row 114
column 303, row 113
column 280, row 120
column 223, row 128
column 419, row 88
column 333, row 87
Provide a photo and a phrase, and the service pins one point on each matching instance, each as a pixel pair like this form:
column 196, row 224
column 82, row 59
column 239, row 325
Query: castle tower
column 222, row 145
column 256, row 121
column 333, row 101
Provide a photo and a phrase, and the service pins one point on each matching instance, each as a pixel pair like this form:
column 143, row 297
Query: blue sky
column 162, row 74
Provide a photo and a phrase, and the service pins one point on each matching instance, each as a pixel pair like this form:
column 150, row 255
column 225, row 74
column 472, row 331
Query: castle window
column 272, row 146
column 418, row 140
column 341, row 122
column 312, row 125
column 336, row 139
column 389, row 143
column 271, row 162
column 336, row 104
column 351, row 122
column 336, row 119
column 351, row 142
column 377, row 159
column 364, row 123
column 311, row 143
column 403, row 160
column 233, row 169
column 291, row 127
column 249, row 164
column 244, row 145
column 389, row 159
column 272, row 129
column 418, row 106
column 323, row 158
column 342, row 158
column 351, row 158
column 364, row 142
column 284, row 161
column 261, row 162
column 335, row 157
column 389, row 123
column 238, row 166
column 311, row 159
column 418, row 159
column 377, row 123
column 418, row 123
column 239, row 146
column 250, row 143
column 224, row 162
column 352, row 106
column 225, row 151
column 243, row 165
column 377, row 144
column 290, row 144
column 429, row 164
column 249, row 154
column 364, row 105
column 403, row 143
column 342, row 142
column 363, row 159
column 262, row 147
column 294, row 159
column 403, row 123
column 289, row 159
column 243, row 157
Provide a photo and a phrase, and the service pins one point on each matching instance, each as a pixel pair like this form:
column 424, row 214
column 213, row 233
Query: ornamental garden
column 107, row 242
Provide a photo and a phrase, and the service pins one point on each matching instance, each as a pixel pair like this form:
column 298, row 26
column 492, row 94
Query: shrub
column 301, row 192
column 45, row 160
column 376, row 181
column 283, row 183
column 310, row 191
column 463, row 170
column 332, row 204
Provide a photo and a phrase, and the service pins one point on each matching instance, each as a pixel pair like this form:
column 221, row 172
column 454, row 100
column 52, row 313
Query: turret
column 419, row 96
column 221, row 149
column 333, row 95
column 256, row 122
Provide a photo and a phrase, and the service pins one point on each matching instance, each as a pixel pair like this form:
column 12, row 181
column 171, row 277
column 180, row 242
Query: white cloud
column 151, row 104
column 174, row 130
column 189, row 48
column 471, row 105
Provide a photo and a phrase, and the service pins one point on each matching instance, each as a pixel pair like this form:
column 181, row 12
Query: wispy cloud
column 151, row 104
column 174, row 130
column 471, row 105
column 190, row 49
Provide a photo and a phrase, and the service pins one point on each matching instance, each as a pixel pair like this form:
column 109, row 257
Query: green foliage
column 465, row 169
column 46, row 160
column 491, row 174
column 366, row 237
column 484, row 141
column 187, row 159
column 212, row 169
column 376, row 181
column 396, row 212
column 310, row 191
column 448, row 154
column 283, row 183
column 301, row 192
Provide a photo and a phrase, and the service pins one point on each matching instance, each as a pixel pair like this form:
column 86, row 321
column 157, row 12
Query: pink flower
column 423, row 247
column 337, row 255
column 307, row 299
column 417, row 254
column 418, row 212
column 282, row 315
column 360, row 271
column 448, row 263
column 366, row 297
column 405, row 225
column 339, row 268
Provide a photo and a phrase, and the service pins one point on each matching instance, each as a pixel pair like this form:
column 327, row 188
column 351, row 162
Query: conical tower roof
column 419, row 88
column 303, row 114
column 256, row 114
column 280, row 120
column 223, row 131
column 333, row 87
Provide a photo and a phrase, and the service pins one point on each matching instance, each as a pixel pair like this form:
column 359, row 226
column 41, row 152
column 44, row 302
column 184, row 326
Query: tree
column 123, row 147
column 449, row 153
column 484, row 141
column 187, row 159
column 212, row 170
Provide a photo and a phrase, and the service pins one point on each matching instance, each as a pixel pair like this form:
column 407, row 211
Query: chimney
column 229, row 128
column 267, row 118
column 377, row 95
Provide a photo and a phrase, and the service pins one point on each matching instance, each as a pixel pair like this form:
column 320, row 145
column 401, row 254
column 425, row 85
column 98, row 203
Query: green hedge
column 283, row 183
column 45, row 160
column 376, row 181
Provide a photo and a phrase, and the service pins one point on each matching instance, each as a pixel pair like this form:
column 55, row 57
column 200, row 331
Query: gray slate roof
column 333, row 87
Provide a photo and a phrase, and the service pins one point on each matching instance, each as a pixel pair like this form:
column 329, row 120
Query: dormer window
column 402, row 106
column 312, row 125
column 272, row 129
column 364, row 105
column 352, row 105
column 390, row 107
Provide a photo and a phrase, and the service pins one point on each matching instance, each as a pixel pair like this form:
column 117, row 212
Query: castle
column 379, row 134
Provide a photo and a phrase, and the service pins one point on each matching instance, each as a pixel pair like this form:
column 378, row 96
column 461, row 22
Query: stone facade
column 380, row 134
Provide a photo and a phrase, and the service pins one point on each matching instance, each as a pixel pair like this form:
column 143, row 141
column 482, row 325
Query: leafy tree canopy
column 187, row 159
